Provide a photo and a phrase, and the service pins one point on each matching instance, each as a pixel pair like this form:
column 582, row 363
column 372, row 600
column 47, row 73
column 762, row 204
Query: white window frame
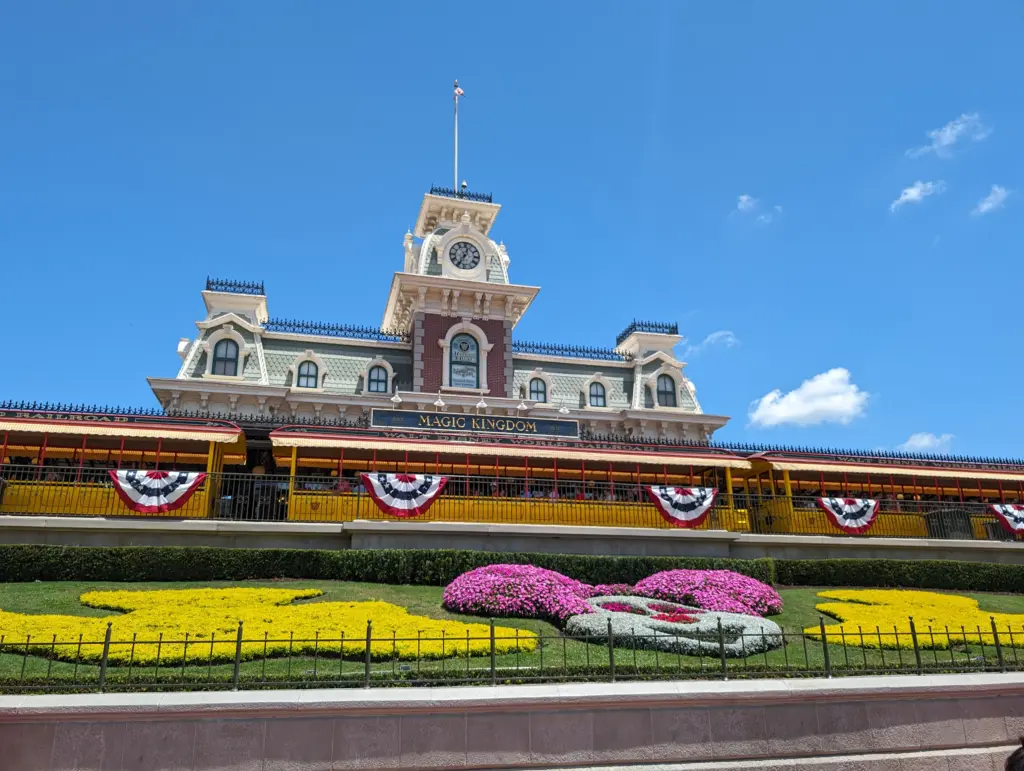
column 466, row 326
column 651, row 381
column 597, row 377
column 226, row 332
column 378, row 362
column 321, row 372
column 540, row 374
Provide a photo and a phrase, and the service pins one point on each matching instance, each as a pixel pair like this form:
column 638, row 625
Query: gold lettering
column 460, row 423
column 425, row 420
column 531, row 427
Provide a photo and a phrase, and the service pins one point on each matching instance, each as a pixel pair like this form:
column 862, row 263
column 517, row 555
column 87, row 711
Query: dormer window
column 538, row 390
column 377, row 380
column 666, row 391
column 597, row 395
column 309, row 375
column 225, row 358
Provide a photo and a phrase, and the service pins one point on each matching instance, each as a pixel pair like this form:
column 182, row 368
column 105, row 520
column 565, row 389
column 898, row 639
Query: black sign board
column 474, row 424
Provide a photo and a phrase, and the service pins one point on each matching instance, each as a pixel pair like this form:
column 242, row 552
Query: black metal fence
column 381, row 658
column 88, row 491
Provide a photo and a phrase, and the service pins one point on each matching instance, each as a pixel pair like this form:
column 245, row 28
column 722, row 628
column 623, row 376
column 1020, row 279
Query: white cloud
column 722, row 337
column 968, row 125
column 917, row 193
column 750, row 206
column 924, row 441
column 994, row 200
column 746, row 203
column 826, row 398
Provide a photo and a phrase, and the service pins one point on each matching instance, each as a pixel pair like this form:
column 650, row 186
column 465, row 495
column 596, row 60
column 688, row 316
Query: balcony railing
column 86, row 491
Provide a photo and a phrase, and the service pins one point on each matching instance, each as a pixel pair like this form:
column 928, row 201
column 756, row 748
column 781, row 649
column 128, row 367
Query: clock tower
column 454, row 297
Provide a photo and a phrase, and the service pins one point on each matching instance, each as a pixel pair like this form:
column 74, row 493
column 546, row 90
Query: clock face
column 464, row 255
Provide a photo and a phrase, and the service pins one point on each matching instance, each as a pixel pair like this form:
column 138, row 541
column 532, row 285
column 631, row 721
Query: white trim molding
column 466, row 326
column 226, row 331
column 365, row 375
column 321, row 372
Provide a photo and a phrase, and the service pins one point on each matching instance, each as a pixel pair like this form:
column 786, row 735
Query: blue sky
column 799, row 184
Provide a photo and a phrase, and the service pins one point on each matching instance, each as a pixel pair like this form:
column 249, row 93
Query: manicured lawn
column 800, row 655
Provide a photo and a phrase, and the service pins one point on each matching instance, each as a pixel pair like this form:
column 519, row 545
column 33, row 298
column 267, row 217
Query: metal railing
column 381, row 658
column 234, row 287
column 88, row 491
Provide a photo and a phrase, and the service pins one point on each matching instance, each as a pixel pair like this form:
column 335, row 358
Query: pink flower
column 712, row 590
column 522, row 591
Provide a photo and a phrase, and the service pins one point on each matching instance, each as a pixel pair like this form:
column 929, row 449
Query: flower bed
column 880, row 618
column 525, row 591
column 741, row 634
column 721, row 590
column 210, row 618
column 522, row 591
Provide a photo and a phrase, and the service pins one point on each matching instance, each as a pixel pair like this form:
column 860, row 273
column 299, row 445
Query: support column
column 730, row 501
column 291, row 480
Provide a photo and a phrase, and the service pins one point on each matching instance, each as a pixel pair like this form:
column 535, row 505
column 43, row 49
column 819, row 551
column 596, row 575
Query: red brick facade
column 435, row 328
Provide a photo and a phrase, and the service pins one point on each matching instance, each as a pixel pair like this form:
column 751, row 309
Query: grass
column 558, row 657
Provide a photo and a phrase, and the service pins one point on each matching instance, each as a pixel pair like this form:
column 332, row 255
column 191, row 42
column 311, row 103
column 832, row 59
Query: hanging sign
column 1010, row 515
column 403, row 495
column 154, row 492
column 851, row 515
column 682, row 506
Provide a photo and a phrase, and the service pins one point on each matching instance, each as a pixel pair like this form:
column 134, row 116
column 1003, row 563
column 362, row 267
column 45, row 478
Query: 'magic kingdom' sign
column 474, row 424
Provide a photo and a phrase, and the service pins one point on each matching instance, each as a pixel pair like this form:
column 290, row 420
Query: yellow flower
column 154, row 625
column 880, row 618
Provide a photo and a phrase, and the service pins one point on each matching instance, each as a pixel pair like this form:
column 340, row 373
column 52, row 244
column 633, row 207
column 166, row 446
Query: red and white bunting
column 403, row 495
column 682, row 506
column 154, row 492
column 851, row 515
column 1010, row 515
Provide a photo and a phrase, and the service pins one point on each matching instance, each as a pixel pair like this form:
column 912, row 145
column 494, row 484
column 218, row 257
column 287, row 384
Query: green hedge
column 917, row 574
column 435, row 567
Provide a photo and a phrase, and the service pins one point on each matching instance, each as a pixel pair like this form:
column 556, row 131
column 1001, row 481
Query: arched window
column 225, row 358
column 666, row 391
column 309, row 375
column 538, row 390
column 377, row 380
column 597, row 395
column 464, row 362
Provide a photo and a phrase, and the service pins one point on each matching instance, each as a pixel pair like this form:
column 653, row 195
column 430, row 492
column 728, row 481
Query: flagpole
column 455, row 181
